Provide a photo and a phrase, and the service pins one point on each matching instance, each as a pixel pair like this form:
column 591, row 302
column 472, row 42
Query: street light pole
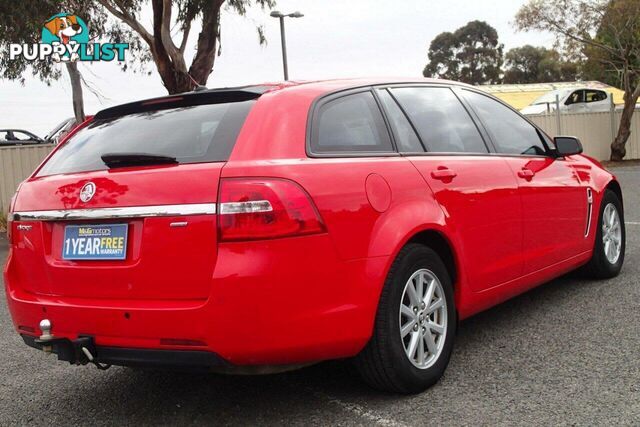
column 283, row 39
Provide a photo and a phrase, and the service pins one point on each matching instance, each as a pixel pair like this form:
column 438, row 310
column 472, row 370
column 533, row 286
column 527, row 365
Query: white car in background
column 576, row 100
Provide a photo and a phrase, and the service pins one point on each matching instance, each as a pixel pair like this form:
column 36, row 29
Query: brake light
column 265, row 208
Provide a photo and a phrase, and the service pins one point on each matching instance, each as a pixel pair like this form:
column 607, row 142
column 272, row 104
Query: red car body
column 502, row 224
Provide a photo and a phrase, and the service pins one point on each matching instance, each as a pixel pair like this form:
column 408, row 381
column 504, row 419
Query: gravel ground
column 564, row 353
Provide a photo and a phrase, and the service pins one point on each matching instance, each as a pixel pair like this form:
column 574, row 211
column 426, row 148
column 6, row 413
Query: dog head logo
column 65, row 29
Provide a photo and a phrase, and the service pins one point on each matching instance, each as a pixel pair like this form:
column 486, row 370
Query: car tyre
column 603, row 265
column 385, row 363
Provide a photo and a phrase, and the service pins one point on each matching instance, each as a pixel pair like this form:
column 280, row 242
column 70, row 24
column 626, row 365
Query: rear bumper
column 280, row 302
column 134, row 357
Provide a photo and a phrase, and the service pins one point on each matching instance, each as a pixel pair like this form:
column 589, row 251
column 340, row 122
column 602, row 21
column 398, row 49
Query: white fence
column 596, row 131
column 16, row 164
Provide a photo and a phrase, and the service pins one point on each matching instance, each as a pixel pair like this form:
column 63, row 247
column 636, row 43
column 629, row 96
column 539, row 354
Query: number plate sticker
column 107, row 241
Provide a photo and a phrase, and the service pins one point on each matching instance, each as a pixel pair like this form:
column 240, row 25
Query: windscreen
column 192, row 134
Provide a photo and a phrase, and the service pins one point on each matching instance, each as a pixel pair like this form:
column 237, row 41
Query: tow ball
column 79, row 351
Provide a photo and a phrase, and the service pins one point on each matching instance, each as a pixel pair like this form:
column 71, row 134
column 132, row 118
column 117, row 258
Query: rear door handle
column 526, row 174
column 443, row 174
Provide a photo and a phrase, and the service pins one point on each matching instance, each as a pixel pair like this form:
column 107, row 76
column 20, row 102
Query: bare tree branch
column 165, row 34
column 128, row 19
column 185, row 37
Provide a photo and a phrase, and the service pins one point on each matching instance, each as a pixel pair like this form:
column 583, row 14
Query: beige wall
column 594, row 131
column 16, row 164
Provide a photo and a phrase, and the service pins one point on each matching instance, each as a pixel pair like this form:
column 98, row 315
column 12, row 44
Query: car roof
column 330, row 85
column 16, row 130
column 311, row 88
column 327, row 86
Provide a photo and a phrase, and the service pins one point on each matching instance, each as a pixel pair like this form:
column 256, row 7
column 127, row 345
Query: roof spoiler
column 186, row 99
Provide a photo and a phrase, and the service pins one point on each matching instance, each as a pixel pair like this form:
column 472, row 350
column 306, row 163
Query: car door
column 596, row 100
column 476, row 191
column 555, row 203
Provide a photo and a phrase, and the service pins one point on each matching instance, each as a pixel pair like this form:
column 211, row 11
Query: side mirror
column 567, row 145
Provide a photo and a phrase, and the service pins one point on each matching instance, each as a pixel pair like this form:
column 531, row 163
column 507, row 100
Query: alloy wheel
column 423, row 318
column 611, row 233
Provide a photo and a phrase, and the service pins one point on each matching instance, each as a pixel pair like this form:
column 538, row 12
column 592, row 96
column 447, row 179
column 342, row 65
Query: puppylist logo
column 65, row 38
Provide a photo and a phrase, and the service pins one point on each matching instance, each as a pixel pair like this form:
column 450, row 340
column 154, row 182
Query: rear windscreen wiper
column 123, row 160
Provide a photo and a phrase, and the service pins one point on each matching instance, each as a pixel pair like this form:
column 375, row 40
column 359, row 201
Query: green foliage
column 119, row 21
column 607, row 32
column 22, row 23
column 530, row 64
column 604, row 32
column 472, row 54
column 620, row 25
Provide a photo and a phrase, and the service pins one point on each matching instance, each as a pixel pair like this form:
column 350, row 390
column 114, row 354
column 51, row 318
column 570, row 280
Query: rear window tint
column 351, row 123
column 192, row 134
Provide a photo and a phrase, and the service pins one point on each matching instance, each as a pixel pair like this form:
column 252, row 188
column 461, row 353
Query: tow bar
column 80, row 351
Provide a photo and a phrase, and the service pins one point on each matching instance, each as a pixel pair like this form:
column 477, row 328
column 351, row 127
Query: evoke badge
column 87, row 192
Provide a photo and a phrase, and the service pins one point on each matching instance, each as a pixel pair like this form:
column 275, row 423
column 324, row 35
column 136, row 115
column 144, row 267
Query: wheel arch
column 441, row 244
column 614, row 186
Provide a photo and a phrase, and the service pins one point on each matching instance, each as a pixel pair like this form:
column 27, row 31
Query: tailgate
column 169, row 216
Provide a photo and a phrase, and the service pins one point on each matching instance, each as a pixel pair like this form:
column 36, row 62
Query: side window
column 575, row 98
column 442, row 122
column 406, row 138
column 21, row 136
column 351, row 123
column 511, row 133
column 595, row 95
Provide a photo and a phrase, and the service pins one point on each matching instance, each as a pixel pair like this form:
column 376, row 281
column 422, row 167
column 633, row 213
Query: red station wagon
column 262, row 228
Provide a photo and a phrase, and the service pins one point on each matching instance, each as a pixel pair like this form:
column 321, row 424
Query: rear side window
column 352, row 124
column 594, row 95
column 442, row 122
column 511, row 133
column 192, row 134
column 406, row 137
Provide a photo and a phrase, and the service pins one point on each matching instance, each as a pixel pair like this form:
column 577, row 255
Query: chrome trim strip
column 111, row 213
column 589, row 212
column 254, row 206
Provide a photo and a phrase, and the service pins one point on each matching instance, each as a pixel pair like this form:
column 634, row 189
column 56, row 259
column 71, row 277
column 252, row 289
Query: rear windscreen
column 193, row 134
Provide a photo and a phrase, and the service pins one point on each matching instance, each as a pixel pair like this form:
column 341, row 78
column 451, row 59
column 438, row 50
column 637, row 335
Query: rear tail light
column 9, row 226
column 265, row 208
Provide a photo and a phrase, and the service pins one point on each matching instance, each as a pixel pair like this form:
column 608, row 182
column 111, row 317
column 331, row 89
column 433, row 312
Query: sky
column 352, row 38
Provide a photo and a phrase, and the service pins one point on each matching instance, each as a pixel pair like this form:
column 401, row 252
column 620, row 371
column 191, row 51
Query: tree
column 471, row 54
column 169, row 54
column 530, row 64
column 22, row 23
column 118, row 21
column 606, row 30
